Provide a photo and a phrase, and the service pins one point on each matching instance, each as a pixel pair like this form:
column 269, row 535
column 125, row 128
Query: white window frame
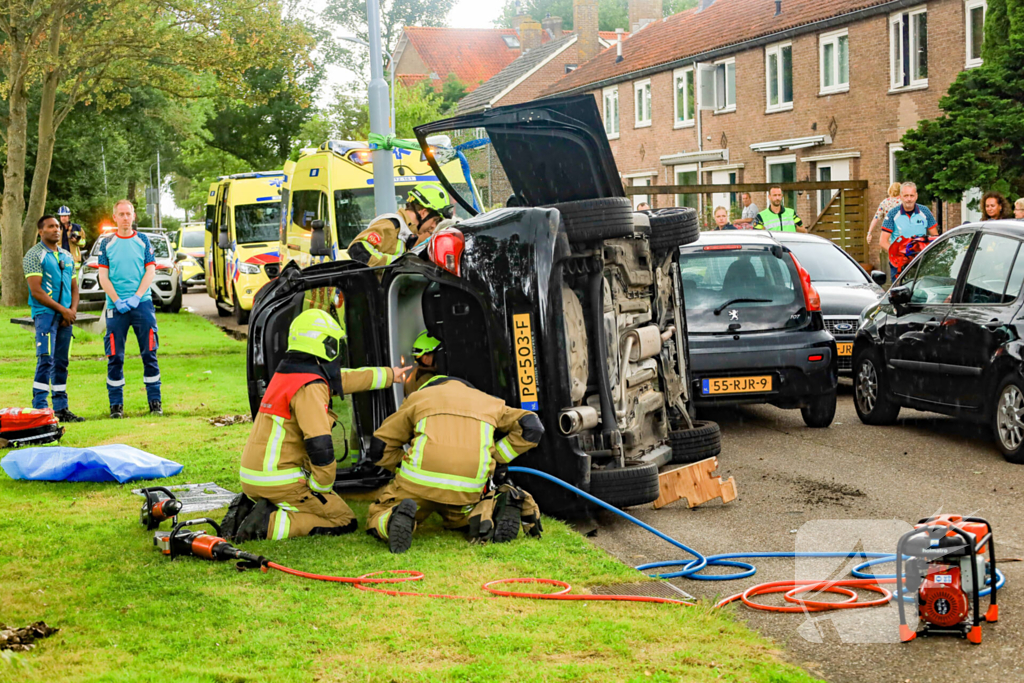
column 641, row 181
column 968, row 37
column 896, row 66
column 833, row 39
column 677, row 75
column 729, row 106
column 686, row 168
column 776, row 49
column 778, row 161
column 893, row 148
column 638, row 87
column 605, row 95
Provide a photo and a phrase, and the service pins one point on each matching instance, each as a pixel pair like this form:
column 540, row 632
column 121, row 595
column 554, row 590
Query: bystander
column 906, row 221
column 891, row 201
column 722, row 219
column 994, row 206
column 750, row 211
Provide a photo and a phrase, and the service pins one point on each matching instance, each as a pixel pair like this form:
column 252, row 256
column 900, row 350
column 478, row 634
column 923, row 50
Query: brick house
column 766, row 91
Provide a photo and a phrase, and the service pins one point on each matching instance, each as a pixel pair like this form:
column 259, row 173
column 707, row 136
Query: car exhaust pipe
column 600, row 352
column 575, row 420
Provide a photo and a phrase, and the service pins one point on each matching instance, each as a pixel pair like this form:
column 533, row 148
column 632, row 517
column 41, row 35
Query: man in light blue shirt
column 908, row 220
column 126, row 269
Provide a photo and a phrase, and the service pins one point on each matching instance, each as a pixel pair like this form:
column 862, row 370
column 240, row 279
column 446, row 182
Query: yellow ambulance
column 334, row 183
column 243, row 218
column 190, row 241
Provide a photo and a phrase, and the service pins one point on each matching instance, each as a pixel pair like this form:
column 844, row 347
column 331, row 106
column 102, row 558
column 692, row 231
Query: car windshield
column 354, row 209
column 161, row 248
column 826, row 262
column 192, row 239
column 257, row 223
column 740, row 290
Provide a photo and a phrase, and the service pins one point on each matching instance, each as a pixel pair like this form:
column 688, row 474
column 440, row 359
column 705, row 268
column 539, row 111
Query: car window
column 935, row 278
column 307, row 206
column 192, row 239
column 161, row 248
column 826, row 262
column 1016, row 276
column 990, row 269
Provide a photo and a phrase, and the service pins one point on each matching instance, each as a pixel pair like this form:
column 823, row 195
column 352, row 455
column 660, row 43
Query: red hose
column 792, row 588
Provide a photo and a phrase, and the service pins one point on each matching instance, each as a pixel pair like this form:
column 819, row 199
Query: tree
column 978, row 141
column 611, row 14
column 94, row 52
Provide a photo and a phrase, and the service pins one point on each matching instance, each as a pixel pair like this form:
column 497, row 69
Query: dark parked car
column 756, row 332
column 845, row 288
column 947, row 336
column 567, row 304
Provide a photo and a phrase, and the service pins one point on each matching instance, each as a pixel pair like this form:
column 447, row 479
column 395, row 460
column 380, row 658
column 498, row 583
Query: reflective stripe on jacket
column 779, row 222
column 382, row 241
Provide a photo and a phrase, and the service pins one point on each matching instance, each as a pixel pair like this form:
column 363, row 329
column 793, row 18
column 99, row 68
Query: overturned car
column 565, row 302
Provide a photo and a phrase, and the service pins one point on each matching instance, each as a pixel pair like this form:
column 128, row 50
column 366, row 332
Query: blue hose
column 690, row 568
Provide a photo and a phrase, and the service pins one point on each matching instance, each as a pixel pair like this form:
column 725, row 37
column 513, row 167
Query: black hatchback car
column 756, row 331
column 566, row 303
column 947, row 337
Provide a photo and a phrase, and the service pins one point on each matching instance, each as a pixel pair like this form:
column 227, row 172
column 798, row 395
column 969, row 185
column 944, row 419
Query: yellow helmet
column 317, row 333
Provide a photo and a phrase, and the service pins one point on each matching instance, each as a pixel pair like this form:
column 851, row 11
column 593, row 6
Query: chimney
column 778, row 7
column 584, row 21
column 519, row 18
column 529, row 34
column 643, row 12
column 553, row 26
column 618, row 45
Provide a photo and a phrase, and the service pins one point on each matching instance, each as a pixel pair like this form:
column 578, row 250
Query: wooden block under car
column 696, row 483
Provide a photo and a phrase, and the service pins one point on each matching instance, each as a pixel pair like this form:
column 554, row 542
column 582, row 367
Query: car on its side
column 166, row 289
column 946, row 337
column 845, row 288
column 755, row 327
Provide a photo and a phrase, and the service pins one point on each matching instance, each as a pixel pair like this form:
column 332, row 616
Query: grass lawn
column 75, row 556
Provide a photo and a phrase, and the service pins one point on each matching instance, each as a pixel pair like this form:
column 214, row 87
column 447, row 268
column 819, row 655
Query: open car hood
column 551, row 150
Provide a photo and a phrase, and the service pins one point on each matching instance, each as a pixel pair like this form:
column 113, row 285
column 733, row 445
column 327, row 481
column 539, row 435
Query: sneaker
column 507, row 521
column 401, row 525
column 155, row 408
column 256, row 524
column 67, row 416
column 116, row 412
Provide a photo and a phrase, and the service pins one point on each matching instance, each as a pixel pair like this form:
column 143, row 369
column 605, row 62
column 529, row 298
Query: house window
column 834, row 61
column 725, row 85
column 779, row 75
column 511, row 42
column 685, row 96
column 687, row 175
column 908, row 49
column 783, row 170
column 895, row 176
column 569, row 68
column 642, row 103
column 611, row 112
column 975, row 30
column 639, row 199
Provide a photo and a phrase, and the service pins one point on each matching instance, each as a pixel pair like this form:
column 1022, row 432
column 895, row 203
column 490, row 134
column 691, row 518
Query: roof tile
column 473, row 55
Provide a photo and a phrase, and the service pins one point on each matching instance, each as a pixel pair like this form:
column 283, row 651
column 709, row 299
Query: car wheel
column 1008, row 420
column 871, row 397
column 634, row 484
column 672, row 228
column 175, row 304
column 184, row 289
column 592, row 220
column 241, row 315
column 821, row 411
column 222, row 312
column 693, row 445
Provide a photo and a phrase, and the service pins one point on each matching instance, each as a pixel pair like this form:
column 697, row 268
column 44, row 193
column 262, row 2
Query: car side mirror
column 318, row 240
column 878, row 277
column 179, row 257
column 222, row 241
column 899, row 296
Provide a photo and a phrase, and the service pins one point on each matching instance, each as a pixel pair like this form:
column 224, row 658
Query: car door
column 914, row 352
column 977, row 325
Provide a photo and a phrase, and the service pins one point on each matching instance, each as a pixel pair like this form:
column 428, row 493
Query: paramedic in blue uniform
column 53, row 298
column 909, row 220
column 126, row 269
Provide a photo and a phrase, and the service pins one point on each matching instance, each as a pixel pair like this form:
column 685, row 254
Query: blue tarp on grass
column 115, row 462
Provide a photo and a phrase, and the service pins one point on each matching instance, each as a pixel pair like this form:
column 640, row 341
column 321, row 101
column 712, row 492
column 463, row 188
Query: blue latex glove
column 133, row 301
column 122, row 306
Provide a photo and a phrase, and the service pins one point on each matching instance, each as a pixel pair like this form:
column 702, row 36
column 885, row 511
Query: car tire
column 593, row 220
column 634, row 484
column 1009, row 429
column 871, row 397
column 820, row 412
column 184, row 288
column 222, row 312
column 693, row 445
column 241, row 315
column 673, row 228
column 175, row 304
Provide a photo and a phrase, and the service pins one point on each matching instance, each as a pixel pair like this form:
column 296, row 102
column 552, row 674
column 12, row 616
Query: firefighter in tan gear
column 449, row 427
column 425, row 351
column 288, row 465
column 390, row 235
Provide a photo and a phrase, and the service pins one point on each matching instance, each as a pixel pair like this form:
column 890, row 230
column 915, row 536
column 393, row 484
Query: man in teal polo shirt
column 908, row 220
column 777, row 217
column 53, row 299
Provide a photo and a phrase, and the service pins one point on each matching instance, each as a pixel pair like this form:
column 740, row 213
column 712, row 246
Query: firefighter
column 288, row 465
column 391, row 234
column 449, row 427
column 424, row 350
column 72, row 235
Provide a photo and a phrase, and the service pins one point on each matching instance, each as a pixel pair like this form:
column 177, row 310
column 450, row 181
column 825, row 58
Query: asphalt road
column 844, row 488
column 200, row 303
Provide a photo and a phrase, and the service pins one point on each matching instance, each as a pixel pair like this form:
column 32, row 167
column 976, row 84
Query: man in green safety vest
column 778, row 217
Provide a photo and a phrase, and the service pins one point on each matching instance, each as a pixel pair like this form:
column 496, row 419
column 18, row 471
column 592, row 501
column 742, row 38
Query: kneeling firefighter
column 390, row 235
column 449, row 427
column 425, row 351
column 288, row 465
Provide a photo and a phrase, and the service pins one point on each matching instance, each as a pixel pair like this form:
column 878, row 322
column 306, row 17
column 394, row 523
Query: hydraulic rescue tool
column 182, row 542
column 950, row 559
column 156, row 509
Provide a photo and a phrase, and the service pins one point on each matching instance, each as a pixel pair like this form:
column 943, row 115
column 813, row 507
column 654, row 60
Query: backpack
column 28, row 427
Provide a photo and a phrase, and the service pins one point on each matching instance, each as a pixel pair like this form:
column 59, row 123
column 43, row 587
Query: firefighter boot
column 240, row 507
column 255, row 525
column 508, row 517
column 401, row 525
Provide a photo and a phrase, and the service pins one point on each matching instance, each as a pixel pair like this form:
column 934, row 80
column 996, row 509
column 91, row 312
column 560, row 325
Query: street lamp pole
column 383, row 167
column 391, row 62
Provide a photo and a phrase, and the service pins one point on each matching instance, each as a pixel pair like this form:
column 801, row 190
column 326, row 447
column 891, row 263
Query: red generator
column 28, row 427
column 949, row 561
